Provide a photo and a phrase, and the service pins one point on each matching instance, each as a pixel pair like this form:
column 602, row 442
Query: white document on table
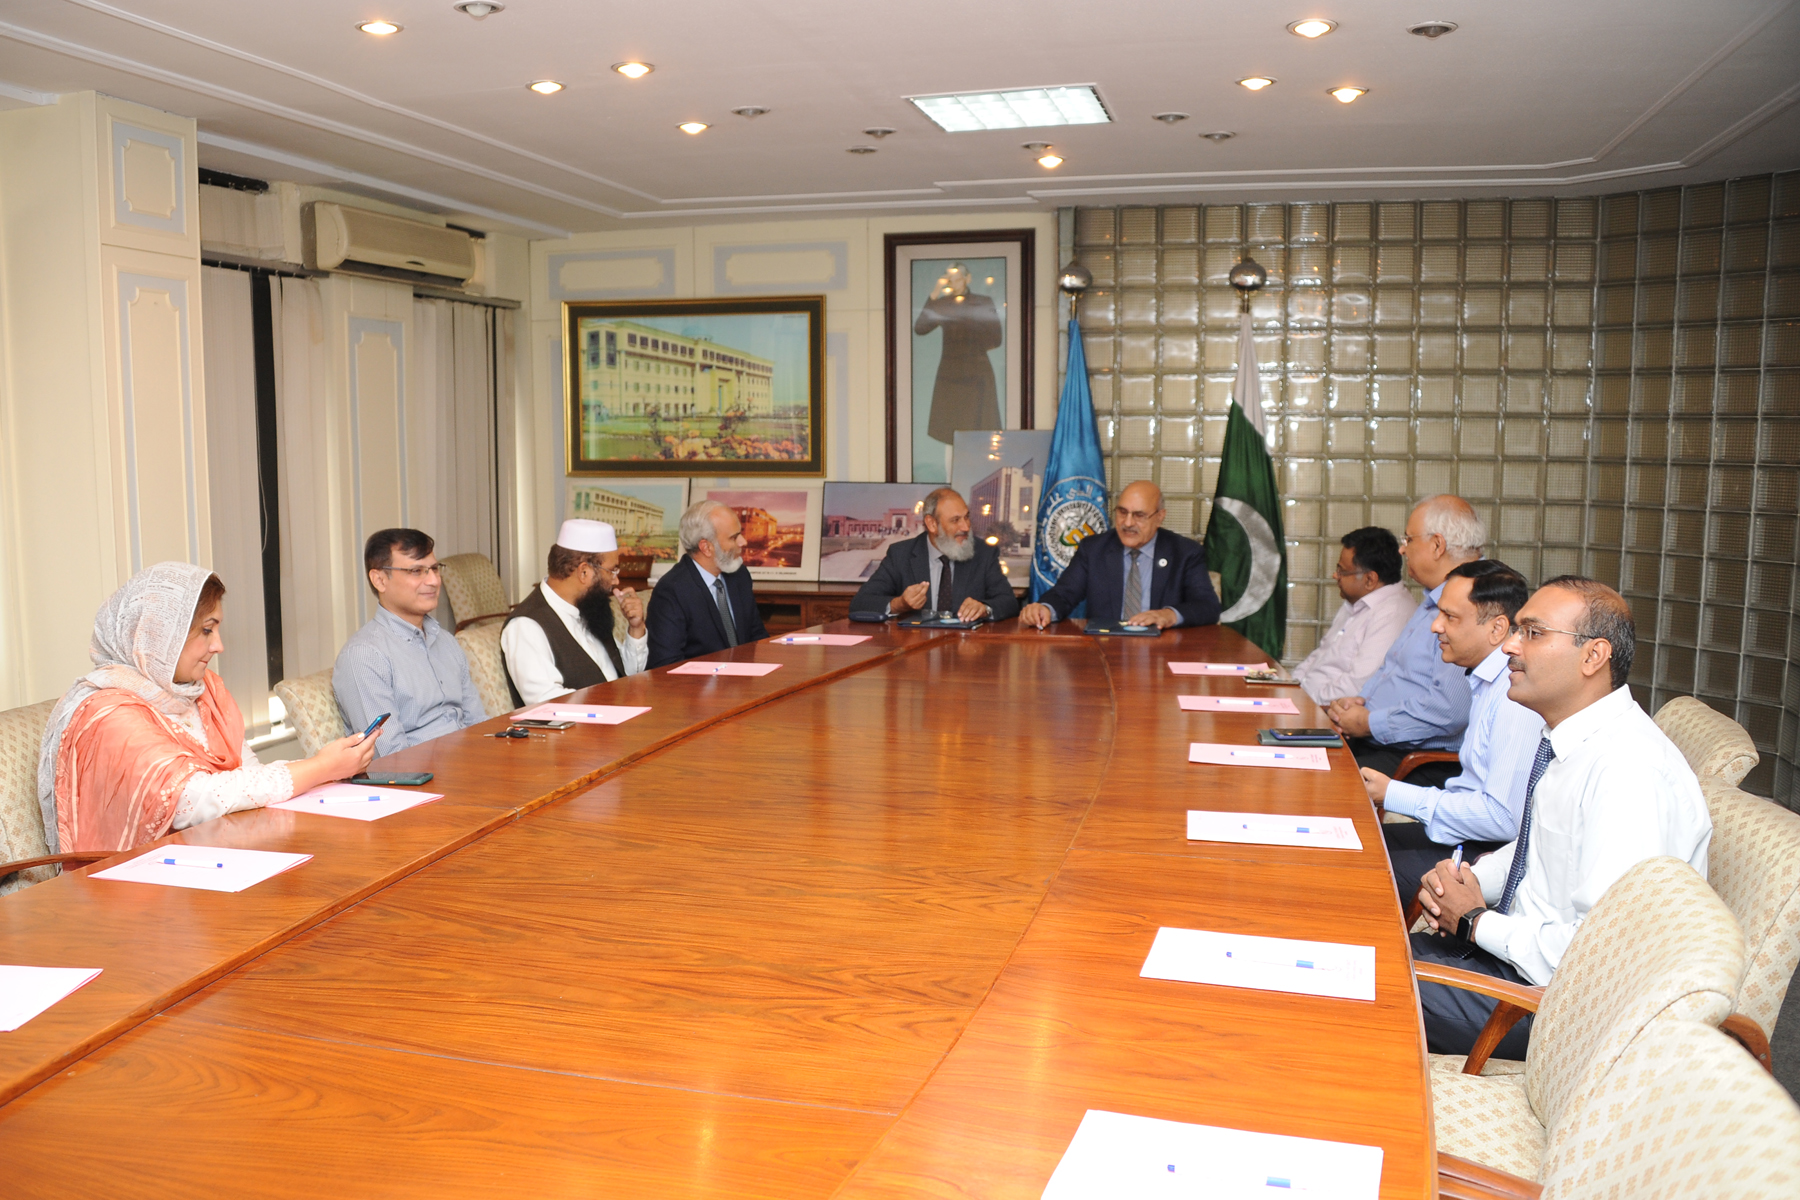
column 27, row 991
column 1273, row 829
column 1116, row 1155
column 1252, row 705
column 724, row 668
column 584, row 714
column 357, row 801
column 1265, row 964
column 208, row 868
column 1224, row 754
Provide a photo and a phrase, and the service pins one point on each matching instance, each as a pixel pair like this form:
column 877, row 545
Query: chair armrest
column 1520, row 995
column 1748, row 1033
column 1463, row 1178
column 462, row 625
column 1419, row 758
column 76, row 859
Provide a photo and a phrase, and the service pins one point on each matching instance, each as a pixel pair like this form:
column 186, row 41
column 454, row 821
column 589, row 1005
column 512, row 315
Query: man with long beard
column 944, row 569
column 705, row 603
column 560, row 637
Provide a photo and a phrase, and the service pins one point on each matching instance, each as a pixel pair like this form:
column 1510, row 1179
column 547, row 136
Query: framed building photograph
column 959, row 314
column 678, row 387
column 1000, row 476
column 781, row 526
column 644, row 513
column 861, row 521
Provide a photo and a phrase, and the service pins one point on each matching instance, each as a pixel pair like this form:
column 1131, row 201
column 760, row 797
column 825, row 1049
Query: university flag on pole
column 1072, row 501
column 1244, row 539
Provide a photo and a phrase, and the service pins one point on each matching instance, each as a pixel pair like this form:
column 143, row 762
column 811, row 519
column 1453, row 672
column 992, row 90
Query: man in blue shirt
column 1417, row 701
column 403, row 662
column 1480, row 808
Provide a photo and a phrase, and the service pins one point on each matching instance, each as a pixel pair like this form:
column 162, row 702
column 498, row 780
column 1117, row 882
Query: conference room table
column 868, row 925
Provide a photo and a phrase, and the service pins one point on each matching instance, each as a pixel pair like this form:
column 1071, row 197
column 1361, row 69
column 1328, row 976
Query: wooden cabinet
column 798, row 605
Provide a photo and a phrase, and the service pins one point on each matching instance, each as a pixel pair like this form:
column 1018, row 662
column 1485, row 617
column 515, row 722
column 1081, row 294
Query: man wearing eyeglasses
column 402, row 661
column 1137, row 572
column 1605, row 790
column 1376, row 608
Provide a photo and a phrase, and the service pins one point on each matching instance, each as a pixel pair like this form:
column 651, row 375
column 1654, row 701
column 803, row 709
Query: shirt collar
column 1431, row 597
column 1491, row 667
column 405, row 628
column 1577, row 729
column 712, row 577
column 557, row 604
column 1149, row 548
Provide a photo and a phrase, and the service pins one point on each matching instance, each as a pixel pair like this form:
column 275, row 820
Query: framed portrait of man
column 959, row 309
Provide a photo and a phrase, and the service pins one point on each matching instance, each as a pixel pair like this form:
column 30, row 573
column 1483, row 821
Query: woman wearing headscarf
column 150, row 741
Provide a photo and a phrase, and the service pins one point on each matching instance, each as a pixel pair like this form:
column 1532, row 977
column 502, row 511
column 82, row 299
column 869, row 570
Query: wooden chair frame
column 77, row 859
column 1516, row 1000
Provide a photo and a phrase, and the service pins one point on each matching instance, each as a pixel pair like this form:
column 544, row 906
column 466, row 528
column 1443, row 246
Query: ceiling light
column 878, row 132
column 1432, row 29
column 1050, row 161
column 1219, row 136
column 692, row 127
column 860, row 150
column 1026, row 108
column 1169, row 118
column 1346, row 95
column 1256, row 83
column 1312, row 27
column 752, row 111
column 478, row 8
column 545, row 87
column 633, row 70
column 379, row 28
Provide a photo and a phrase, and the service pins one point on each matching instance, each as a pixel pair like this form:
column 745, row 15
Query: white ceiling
column 1527, row 97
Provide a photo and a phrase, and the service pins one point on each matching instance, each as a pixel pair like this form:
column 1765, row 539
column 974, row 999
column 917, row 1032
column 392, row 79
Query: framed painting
column 644, row 513
column 780, row 523
column 1000, row 475
column 680, row 387
column 959, row 317
column 861, row 521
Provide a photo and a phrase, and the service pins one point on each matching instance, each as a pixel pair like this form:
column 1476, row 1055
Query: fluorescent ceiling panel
column 1026, row 108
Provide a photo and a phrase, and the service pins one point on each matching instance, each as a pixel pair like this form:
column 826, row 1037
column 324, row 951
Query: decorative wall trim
column 662, row 256
column 772, row 282
column 130, row 284
column 837, row 351
column 125, row 211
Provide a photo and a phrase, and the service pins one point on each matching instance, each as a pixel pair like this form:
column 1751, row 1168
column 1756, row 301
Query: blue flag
column 1072, row 504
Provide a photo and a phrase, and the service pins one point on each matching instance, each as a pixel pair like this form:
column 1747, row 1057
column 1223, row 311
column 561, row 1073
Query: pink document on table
column 724, row 668
column 583, row 714
column 1202, row 668
column 1219, row 754
column 357, row 801
column 27, row 991
column 1236, row 704
column 820, row 639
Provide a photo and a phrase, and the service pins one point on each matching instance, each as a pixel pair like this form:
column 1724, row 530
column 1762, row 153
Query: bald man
column 1137, row 572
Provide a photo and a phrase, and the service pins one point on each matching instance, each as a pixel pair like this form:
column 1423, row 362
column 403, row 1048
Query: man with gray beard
column 706, row 602
column 944, row 569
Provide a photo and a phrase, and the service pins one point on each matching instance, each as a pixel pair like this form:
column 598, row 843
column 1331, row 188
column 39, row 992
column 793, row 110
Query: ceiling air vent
column 358, row 240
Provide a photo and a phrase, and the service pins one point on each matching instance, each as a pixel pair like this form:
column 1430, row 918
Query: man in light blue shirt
column 1480, row 808
column 403, row 662
column 1417, row 701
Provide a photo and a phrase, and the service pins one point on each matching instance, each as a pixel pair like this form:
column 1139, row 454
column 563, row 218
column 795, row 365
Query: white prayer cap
column 587, row 537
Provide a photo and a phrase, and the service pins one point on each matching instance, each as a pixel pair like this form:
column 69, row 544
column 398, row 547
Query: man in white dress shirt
column 560, row 637
column 1376, row 606
column 1606, row 791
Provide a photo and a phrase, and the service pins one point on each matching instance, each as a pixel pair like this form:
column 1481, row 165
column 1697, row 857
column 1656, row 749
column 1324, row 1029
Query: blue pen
column 346, row 799
column 1456, row 860
column 188, row 862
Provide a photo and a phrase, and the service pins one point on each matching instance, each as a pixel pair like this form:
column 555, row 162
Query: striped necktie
column 1521, row 852
column 1134, row 588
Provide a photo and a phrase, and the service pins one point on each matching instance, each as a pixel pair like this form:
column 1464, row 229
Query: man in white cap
column 560, row 637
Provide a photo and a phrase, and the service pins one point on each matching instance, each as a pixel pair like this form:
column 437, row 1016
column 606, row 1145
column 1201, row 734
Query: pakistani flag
column 1072, row 500
column 1244, row 540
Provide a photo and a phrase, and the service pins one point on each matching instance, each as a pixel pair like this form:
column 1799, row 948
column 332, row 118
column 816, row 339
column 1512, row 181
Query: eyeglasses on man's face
column 1532, row 632
column 416, row 573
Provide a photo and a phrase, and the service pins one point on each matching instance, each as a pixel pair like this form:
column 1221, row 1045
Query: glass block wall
column 1613, row 381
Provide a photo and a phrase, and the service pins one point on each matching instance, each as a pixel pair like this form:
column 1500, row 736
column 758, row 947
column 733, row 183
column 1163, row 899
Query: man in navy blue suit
column 705, row 602
column 1136, row 572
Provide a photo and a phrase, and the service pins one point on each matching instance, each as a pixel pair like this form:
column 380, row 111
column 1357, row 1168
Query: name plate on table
column 1237, row 704
column 1263, row 964
column 1272, row 829
column 1208, row 668
column 724, row 668
column 1220, row 754
column 584, row 714
column 357, row 801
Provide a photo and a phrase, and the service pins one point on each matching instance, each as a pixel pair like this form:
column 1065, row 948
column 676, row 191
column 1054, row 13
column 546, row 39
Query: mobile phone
column 396, row 778
column 1287, row 735
column 540, row 723
column 377, row 723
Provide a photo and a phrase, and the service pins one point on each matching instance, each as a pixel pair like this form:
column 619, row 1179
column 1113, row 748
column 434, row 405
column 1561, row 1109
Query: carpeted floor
column 1784, row 1047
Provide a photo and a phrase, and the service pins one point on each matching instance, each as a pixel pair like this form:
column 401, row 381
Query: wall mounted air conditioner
column 340, row 238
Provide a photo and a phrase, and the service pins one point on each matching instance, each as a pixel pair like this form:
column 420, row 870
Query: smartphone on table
column 541, row 723
column 397, row 778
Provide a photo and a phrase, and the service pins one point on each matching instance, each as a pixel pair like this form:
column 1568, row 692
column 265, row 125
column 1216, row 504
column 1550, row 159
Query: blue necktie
column 1521, row 852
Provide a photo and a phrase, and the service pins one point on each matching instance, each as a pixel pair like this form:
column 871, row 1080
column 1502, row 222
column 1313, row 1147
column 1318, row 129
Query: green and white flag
column 1244, row 539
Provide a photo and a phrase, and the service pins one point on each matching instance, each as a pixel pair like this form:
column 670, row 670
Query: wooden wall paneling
column 148, row 177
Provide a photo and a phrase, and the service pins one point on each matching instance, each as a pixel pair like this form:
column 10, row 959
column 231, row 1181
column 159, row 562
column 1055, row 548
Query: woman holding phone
column 150, row 741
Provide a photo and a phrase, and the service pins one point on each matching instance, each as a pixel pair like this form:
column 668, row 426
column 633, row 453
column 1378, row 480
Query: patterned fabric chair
column 1659, row 946
column 481, row 643
column 312, row 710
column 1754, row 866
column 1683, row 1114
column 474, row 590
column 1713, row 744
column 22, row 837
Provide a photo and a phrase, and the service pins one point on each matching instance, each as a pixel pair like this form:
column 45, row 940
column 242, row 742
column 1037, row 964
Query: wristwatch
column 1465, row 927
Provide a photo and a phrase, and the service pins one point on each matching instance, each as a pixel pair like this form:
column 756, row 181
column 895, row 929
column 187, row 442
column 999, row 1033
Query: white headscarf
column 138, row 637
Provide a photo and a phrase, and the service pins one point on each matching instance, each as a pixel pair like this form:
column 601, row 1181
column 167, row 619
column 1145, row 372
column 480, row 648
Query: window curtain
column 312, row 482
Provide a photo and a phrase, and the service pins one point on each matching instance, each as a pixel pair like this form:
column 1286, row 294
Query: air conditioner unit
column 359, row 240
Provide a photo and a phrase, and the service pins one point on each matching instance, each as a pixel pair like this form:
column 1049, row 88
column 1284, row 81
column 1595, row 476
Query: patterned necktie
column 1521, row 853
column 946, row 581
column 1134, row 588
column 731, row 638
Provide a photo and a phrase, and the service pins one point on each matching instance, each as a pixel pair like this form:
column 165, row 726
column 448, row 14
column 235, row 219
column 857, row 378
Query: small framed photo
column 645, row 513
column 861, row 521
column 959, row 315
column 780, row 522
column 684, row 387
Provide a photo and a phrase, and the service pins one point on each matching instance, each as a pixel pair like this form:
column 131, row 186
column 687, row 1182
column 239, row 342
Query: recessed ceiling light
column 1312, row 27
column 1026, row 108
column 1347, row 95
column 1169, row 118
column 379, row 28
column 878, row 132
column 693, row 127
column 1256, row 83
column 1432, row 29
column 545, row 87
column 478, row 8
column 751, row 111
column 1219, row 136
column 633, row 70
column 860, row 150
column 1050, row 161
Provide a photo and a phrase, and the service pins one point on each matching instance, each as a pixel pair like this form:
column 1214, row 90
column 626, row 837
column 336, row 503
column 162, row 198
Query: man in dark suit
column 705, row 602
column 944, row 569
column 1137, row 572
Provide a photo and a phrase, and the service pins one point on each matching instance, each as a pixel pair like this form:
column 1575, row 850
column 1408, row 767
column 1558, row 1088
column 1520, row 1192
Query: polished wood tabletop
column 869, row 925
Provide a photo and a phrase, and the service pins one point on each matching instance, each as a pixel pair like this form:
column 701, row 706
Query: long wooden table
column 870, row 925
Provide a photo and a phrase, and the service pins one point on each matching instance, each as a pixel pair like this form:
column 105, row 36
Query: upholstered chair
column 312, row 710
column 1659, row 946
column 481, row 644
column 22, row 837
column 1684, row 1113
column 1713, row 744
column 1754, row 866
column 474, row 590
